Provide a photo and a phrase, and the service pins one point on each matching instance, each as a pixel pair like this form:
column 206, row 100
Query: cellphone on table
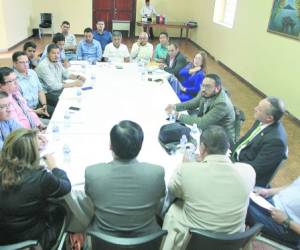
column 74, row 108
column 158, row 80
column 87, row 88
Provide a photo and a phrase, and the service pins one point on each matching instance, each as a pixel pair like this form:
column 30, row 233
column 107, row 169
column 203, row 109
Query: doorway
column 108, row 10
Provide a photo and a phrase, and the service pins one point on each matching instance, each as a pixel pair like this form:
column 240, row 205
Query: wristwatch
column 286, row 223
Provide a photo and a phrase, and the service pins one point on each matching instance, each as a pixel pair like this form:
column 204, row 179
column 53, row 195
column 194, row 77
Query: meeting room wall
column 268, row 61
column 15, row 22
column 77, row 12
column 174, row 10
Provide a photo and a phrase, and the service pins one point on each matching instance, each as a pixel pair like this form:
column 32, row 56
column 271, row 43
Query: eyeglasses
column 4, row 106
column 207, row 86
column 24, row 62
column 11, row 81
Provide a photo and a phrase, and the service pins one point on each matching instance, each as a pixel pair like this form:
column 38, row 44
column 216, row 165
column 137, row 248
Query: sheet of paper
column 262, row 202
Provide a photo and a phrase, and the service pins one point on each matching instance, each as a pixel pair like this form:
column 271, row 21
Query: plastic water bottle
column 195, row 133
column 93, row 78
column 55, row 132
column 190, row 152
column 67, row 119
column 172, row 117
column 183, row 142
column 67, row 153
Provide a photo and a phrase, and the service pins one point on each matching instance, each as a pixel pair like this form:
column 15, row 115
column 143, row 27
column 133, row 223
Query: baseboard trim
column 244, row 81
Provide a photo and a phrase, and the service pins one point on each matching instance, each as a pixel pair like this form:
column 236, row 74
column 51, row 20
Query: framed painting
column 285, row 18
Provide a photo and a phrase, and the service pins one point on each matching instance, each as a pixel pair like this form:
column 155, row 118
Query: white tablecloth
column 119, row 93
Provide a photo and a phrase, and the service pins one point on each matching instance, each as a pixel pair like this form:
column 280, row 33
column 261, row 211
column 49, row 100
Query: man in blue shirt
column 7, row 125
column 89, row 48
column 30, row 86
column 102, row 36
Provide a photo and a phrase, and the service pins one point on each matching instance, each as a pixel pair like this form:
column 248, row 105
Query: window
column 224, row 12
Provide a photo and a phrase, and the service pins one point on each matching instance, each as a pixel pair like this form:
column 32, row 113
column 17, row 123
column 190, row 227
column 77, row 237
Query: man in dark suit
column 125, row 192
column 264, row 146
column 211, row 106
column 174, row 61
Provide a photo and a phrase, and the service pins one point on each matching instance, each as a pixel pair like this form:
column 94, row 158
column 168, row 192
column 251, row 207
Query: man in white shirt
column 148, row 11
column 116, row 51
column 283, row 221
column 142, row 50
column 70, row 41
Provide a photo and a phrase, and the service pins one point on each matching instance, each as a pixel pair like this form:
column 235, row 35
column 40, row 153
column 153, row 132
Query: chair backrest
column 107, row 242
column 239, row 119
column 46, row 18
column 20, row 245
column 201, row 239
column 280, row 165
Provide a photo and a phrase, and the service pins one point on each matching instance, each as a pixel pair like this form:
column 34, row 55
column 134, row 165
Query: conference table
column 110, row 94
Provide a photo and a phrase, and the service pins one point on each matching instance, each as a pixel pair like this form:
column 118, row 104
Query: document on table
column 262, row 202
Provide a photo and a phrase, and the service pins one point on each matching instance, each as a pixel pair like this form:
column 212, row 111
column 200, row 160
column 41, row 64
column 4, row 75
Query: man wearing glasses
column 211, row 106
column 29, row 85
column 20, row 111
column 7, row 125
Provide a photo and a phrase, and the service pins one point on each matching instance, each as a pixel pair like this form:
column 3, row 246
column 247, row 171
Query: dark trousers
column 52, row 98
column 273, row 229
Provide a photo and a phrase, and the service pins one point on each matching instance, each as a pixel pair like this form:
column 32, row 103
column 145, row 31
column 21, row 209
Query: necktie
column 244, row 143
column 24, row 110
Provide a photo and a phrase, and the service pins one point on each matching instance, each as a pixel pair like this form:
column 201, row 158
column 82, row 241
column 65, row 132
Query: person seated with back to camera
column 223, row 208
column 25, row 191
column 193, row 75
column 126, row 192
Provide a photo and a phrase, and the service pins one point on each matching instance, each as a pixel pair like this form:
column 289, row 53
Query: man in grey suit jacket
column 264, row 146
column 211, row 106
column 125, row 192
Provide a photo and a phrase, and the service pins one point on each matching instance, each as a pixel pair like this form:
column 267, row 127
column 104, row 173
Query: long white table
column 117, row 94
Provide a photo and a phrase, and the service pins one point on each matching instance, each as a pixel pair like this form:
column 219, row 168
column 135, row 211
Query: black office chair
column 46, row 23
column 201, row 239
column 29, row 244
column 276, row 243
column 239, row 119
column 107, row 242
column 280, row 165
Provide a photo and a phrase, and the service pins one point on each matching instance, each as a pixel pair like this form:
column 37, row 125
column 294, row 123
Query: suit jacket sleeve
column 215, row 114
column 270, row 155
column 179, row 64
column 175, row 185
column 55, row 184
column 189, row 105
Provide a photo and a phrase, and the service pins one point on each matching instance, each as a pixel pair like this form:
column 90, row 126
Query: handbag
column 170, row 134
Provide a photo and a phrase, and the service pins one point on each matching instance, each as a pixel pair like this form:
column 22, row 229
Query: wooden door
column 108, row 10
